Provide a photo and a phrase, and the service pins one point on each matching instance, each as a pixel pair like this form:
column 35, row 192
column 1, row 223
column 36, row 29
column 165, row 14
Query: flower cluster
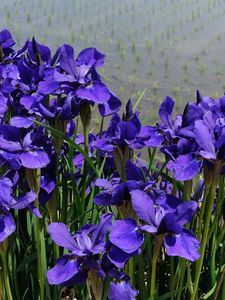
column 63, row 175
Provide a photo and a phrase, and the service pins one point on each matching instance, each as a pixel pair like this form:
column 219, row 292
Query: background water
column 168, row 47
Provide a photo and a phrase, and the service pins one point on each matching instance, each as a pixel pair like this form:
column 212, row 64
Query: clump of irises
column 123, row 211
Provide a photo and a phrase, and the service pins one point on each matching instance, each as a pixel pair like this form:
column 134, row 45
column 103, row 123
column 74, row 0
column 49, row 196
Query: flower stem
column 39, row 256
column 199, row 232
column 5, row 276
column 85, row 170
column 157, row 247
column 182, row 275
column 101, row 128
column 210, row 201
column 131, row 270
column 172, row 282
column 219, row 283
column 151, row 157
column 34, row 177
column 54, row 203
column 187, row 190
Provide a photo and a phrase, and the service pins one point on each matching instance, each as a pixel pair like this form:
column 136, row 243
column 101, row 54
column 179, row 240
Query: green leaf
column 139, row 99
column 71, row 144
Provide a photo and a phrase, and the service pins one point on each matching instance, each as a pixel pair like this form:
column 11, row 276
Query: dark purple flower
column 126, row 239
column 83, row 246
column 82, row 78
column 170, row 127
column 22, row 145
column 7, row 226
column 168, row 221
column 6, row 39
column 115, row 194
column 122, row 290
column 66, row 271
column 8, row 202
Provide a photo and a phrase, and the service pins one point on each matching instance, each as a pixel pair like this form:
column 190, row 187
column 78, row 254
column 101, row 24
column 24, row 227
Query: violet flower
column 84, row 248
column 122, row 290
column 126, row 240
column 8, row 202
column 20, row 146
column 168, row 220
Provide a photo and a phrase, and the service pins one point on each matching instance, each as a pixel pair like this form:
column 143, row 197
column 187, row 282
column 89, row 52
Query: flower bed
column 83, row 215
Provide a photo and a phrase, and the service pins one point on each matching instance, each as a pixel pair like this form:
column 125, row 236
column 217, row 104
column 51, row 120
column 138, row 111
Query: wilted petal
column 122, row 290
column 184, row 245
column 126, row 236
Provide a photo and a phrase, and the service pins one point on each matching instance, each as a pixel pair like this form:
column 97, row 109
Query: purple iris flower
column 195, row 138
column 47, row 183
column 126, row 240
column 198, row 140
column 20, row 146
column 121, row 137
column 122, row 290
column 83, row 247
column 35, row 49
column 6, row 42
column 168, row 220
column 181, row 148
column 3, row 105
column 79, row 78
column 116, row 192
column 7, row 202
column 169, row 126
column 123, row 132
